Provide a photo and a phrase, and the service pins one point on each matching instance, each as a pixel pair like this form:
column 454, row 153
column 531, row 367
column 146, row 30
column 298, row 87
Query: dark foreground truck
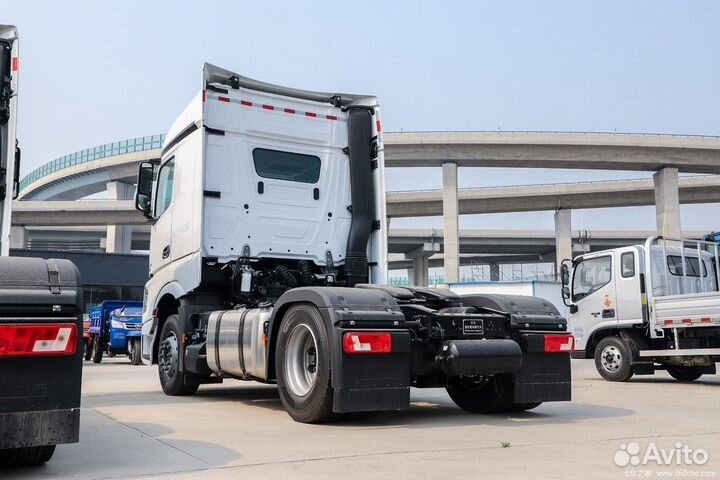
column 40, row 316
column 268, row 259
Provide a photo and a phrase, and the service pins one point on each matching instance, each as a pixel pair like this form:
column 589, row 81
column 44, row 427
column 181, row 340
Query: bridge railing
column 131, row 145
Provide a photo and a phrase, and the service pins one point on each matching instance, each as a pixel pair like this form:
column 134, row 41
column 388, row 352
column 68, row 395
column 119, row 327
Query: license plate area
column 473, row 327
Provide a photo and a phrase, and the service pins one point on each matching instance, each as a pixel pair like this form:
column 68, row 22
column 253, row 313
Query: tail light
column 367, row 342
column 38, row 340
column 559, row 343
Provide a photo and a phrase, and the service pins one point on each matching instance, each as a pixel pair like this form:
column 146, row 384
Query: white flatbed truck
column 649, row 307
column 268, row 255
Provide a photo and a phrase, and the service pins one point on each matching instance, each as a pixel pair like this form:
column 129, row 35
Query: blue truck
column 116, row 327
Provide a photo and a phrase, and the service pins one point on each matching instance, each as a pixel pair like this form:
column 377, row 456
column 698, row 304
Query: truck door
column 161, row 238
column 628, row 305
column 593, row 292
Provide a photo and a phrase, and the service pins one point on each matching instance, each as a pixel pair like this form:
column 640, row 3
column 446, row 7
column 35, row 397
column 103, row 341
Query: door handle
column 166, row 251
column 595, row 314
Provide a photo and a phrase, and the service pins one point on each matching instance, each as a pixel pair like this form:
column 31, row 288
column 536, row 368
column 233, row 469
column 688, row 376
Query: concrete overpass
column 572, row 150
column 112, row 167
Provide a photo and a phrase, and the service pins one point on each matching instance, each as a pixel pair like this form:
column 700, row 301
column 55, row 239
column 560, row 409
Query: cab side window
column 590, row 276
column 166, row 181
column 627, row 264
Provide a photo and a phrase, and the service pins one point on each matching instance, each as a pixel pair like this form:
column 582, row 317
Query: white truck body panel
column 8, row 134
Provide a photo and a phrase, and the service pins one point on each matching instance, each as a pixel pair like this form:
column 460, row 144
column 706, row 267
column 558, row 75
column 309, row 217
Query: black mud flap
column 543, row 377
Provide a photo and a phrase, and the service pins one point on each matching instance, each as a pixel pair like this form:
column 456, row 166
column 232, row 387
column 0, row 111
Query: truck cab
column 115, row 328
column 643, row 308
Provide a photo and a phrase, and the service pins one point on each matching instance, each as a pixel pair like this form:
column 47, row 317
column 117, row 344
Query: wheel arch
column 166, row 306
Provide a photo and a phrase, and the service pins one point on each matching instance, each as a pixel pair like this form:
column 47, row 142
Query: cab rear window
column 292, row 167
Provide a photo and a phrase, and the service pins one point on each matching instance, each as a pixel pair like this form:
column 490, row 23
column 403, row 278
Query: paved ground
column 239, row 430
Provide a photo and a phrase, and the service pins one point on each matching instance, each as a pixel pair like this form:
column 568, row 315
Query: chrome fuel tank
column 236, row 342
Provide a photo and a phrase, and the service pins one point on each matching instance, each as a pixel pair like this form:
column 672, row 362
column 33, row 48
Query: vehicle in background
column 115, row 328
column 268, row 255
column 87, row 339
column 648, row 307
column 40, row 315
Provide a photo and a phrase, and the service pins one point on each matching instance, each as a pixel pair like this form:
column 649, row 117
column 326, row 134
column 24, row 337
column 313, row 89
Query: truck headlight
column 117, row 324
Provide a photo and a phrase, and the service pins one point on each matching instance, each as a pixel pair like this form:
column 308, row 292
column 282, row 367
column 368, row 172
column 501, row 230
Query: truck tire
column 135, row 358
column 613, row 359
column 97, row 352
column 302, row 362
column 88, row 350
column 172, row 379
column 684, row 374
column 493, row 396
column 26, row 456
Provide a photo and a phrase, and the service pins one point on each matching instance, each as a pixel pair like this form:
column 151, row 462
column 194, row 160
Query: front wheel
column 613, row 359
column 26, row 456
column 303, row 365
column 135, row 358
column 684, row 374
column 172, row 379
column 88, row 350
column 97, row 352
column 493, row 395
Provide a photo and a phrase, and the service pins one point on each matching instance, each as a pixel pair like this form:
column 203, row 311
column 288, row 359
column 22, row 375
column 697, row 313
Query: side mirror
column 143, row 194
column 565, row 277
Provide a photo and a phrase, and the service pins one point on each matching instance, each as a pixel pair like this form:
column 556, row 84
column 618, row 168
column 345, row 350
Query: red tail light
column 367, row 342
column 559, row 343
column 37, row 340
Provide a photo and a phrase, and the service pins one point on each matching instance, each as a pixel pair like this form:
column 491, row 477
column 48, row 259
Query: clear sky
column 99, row 71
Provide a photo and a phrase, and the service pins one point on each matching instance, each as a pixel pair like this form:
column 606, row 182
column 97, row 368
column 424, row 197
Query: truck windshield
column 590, row 276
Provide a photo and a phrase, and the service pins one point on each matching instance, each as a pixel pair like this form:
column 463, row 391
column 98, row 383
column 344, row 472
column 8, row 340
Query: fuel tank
column 236, row 342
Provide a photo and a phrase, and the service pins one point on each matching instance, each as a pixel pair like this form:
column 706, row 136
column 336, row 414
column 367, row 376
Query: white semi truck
column 268, row 257
column 648, row 307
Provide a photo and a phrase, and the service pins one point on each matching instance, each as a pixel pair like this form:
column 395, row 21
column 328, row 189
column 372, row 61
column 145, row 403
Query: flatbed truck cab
column 268, row 259
column 649, row 307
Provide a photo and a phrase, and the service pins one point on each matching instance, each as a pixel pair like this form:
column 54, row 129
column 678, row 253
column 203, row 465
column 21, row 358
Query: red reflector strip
column 268, row 107
column 15, row 64
column 246, row 103
column 367, row 342
column 289, row 110
column 310, row 114
column 559, row 343
column 224, row 99
column 706, row 320
column 669, row 322
column 686, row 320
column 331, row 117
column 37, row 340
column 379, row 126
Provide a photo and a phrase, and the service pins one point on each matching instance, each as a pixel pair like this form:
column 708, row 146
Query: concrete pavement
column 239, row 430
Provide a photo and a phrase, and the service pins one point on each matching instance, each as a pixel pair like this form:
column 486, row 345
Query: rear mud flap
column 543, row 378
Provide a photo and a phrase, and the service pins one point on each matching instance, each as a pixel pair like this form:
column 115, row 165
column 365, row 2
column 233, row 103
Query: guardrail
column 131, row 145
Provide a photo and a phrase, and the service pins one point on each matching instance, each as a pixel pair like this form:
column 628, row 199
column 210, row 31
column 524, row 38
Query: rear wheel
column 303, row 365
column 88, row 350
column 26, row 456
column 684, row 374
column 490, row 396
column 172, row 379
column 613, row 359
column 135, row 358
column 97, row 352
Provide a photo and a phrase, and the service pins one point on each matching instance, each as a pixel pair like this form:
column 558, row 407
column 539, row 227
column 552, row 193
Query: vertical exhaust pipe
column 362, row 190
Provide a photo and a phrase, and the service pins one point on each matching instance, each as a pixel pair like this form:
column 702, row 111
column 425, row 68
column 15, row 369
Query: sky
column 99, row 71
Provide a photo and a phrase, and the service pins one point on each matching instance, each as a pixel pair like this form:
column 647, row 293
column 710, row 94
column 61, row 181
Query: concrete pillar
column 418, row 274
column 494, row 272
column 451, row 232
column 18, row 237
column 563, row 237
column 119, row 237
column 667, row 202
